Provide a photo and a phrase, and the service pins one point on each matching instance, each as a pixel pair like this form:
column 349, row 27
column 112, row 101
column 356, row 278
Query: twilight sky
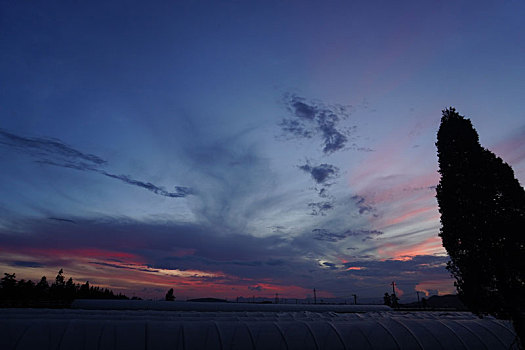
column 239, row 148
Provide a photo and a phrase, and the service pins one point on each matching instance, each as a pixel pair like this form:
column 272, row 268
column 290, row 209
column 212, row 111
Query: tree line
column 15, row 292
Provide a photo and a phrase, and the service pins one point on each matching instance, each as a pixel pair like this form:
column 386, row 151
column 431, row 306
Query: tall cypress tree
column 482, row 208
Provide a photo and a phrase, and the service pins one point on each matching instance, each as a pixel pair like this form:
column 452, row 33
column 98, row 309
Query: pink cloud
column 384, row 191
column 429, row 246
column 399, row 292
column 355, row 268
column 411, row 215
column 512, row 149
column 400, row 199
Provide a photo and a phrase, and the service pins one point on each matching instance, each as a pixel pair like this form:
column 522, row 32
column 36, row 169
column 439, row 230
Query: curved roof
column 146, row 329
column 95, row 304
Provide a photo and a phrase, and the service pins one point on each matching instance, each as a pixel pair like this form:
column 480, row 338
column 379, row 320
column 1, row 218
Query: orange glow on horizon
column 129, row 275
column 442, row 286
column 399, row 292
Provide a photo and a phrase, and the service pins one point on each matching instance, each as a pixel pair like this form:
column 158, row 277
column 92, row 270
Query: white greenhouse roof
column 218, row 306
column 149, row 329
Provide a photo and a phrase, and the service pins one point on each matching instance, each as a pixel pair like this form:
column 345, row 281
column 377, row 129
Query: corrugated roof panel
column 23, row 329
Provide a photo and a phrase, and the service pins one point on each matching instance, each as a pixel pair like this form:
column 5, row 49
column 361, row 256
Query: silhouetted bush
column 169, row 295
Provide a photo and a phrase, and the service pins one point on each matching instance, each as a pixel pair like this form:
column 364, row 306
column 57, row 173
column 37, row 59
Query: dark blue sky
column 234, row 148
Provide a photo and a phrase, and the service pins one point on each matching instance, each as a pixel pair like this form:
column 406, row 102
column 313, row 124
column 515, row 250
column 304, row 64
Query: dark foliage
column 61, row 292
column 391, row 300
column 169, row 295
column 387, row 300
column 482, row 210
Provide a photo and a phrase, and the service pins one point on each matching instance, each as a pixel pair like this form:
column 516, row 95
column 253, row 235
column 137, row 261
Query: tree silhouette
column 387, row 300
column 60, row 293
column 59, row 279
column 169, row 295
column 394, row 300
column 57, row 289
column 482, row 210
column 8, row 286
column 83, row 291
column 42, row 289
column 43, row 283
column 25, row 290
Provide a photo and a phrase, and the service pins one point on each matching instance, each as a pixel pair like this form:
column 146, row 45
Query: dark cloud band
column 46, row 147
column 178, row 193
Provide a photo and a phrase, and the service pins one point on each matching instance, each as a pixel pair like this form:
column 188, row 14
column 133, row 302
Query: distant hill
column 449, row 301
column 208, row 300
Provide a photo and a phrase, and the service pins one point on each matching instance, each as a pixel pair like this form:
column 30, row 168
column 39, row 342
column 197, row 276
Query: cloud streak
column 56, row 153
column 47, row 147
column 180, row 191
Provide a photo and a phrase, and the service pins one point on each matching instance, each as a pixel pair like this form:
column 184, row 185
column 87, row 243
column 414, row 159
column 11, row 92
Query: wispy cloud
column 296, row 128
column 62, row 220
column 310, row 118
column 407, row 251
column 179, row 190
column 56, row 153
column 320, row 208
column 321, row 173
column 512, row 151
column 44, row 148
column 313, row 119
column 31, row 264
column 326, row 235
column 362, row 204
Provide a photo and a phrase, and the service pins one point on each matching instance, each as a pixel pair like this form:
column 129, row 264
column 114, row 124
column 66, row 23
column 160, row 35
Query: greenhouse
column 161, row 329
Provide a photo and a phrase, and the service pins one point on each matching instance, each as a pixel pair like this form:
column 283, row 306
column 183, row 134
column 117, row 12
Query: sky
column 245, row 148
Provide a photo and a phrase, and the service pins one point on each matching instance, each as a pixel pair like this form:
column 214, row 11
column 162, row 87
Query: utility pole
column 277, row 298
column 394, row 302
column 355, row 299
column 394, row 288
column 418, row 303
column 315, row 297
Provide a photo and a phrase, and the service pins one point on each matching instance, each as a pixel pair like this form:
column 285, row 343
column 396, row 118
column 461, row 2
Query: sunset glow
column 237, row 149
